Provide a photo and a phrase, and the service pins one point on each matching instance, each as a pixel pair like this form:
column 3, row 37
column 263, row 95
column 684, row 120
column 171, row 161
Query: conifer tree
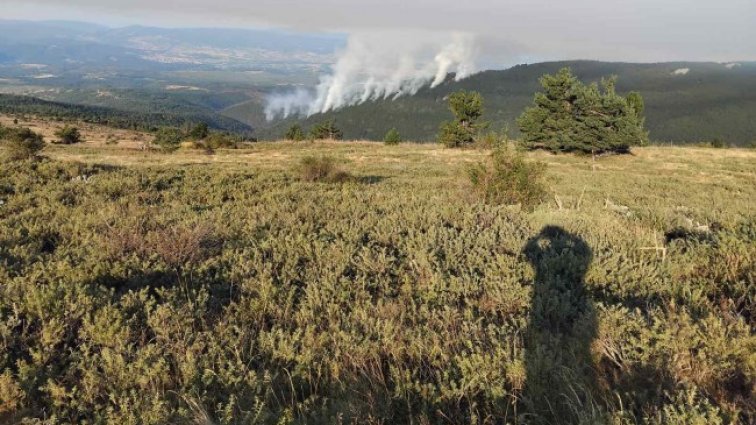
column 295, row 133
column 326, row 130
column 467, row 108
column 569, row 116
column 392, row 137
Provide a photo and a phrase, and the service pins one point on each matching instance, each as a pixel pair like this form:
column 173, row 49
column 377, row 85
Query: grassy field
column 138, row 287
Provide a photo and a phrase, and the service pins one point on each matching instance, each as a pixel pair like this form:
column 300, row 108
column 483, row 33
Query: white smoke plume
column 381, row 66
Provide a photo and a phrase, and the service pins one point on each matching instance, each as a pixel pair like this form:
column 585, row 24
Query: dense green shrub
column 295, row 133
column 21, row 143
column 168, row 139
column 467, row 108
column 508, row 178
column 68, row 135
column 569, row 116
column 221, row 141
column 392, row 137
column 199, row 131
column 321, row 169
column 326, row 130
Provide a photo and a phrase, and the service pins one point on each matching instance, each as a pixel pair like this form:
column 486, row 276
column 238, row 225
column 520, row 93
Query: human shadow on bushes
column 560, row 374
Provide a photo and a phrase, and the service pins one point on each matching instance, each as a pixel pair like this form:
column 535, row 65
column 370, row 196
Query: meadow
column 146, row 288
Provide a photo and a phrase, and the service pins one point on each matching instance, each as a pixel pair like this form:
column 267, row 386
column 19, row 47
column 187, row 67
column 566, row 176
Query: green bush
column 392, row 137
column 199, row 131
column 452, row 135
column 21, row 143
column 168, row 139
column 221, row 141
column 68, row 135
column 508, row 178
column 295, row 133
column 321, row 169
column 569, row 116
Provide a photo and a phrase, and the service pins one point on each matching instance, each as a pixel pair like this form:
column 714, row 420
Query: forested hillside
column 685, row 102
column 158, row 113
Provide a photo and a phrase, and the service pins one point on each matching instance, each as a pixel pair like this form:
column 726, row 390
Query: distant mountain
column 180, row 74
column 685, row 102
column 64, row 46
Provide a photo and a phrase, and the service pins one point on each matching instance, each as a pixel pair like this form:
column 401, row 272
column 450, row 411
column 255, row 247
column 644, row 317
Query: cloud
column 629, row 30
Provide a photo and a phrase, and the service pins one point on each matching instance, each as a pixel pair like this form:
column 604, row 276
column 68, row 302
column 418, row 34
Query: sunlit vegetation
column 169, row 139
column 68, row 135
column 508, row 178
column 392, row 137
column 569, row 116
column 20, row 143
column 243, row 288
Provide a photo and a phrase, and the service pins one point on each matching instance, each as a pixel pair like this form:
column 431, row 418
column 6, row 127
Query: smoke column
column 381, row 66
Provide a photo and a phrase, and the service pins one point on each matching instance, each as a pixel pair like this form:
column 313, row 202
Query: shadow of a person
column 560, row 375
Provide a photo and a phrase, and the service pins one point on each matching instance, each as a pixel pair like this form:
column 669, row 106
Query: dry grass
column 92, row 134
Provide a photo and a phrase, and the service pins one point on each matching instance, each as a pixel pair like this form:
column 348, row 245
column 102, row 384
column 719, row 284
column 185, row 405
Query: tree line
column 566, row 116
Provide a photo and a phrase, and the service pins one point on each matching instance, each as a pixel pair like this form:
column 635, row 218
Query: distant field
column 139, row 287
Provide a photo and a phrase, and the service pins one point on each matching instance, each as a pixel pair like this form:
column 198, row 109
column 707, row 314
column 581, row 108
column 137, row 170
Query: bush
column 569, row 116
column 68, row 135
column 392, row 137
column 326, row 130
column 199, row 131
column 220, row 141
column 491, row 139
column 168, row 139
column 508, row 178
column 295, row 133
column 321, row 169
column 21, row 143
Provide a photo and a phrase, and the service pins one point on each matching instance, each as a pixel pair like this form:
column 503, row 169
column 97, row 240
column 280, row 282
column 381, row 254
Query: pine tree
column 295, row 133
column 199, row 131
column 392, row 137
column 569, row 116
column 467, row 108
column 326, row 130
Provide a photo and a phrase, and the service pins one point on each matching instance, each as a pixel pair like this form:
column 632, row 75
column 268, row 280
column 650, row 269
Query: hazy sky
column 630, row 30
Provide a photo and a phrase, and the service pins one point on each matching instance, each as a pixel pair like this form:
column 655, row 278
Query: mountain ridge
column 708, row 101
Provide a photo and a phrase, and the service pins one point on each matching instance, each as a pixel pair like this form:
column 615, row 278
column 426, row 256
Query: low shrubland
column 237, row 292
column 321, row 169
column 508, row 178
column 68, row 135
column 21, row 143
column 169, row 139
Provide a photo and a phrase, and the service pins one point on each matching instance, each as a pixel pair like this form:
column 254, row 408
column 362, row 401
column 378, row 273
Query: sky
column 511, row 30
